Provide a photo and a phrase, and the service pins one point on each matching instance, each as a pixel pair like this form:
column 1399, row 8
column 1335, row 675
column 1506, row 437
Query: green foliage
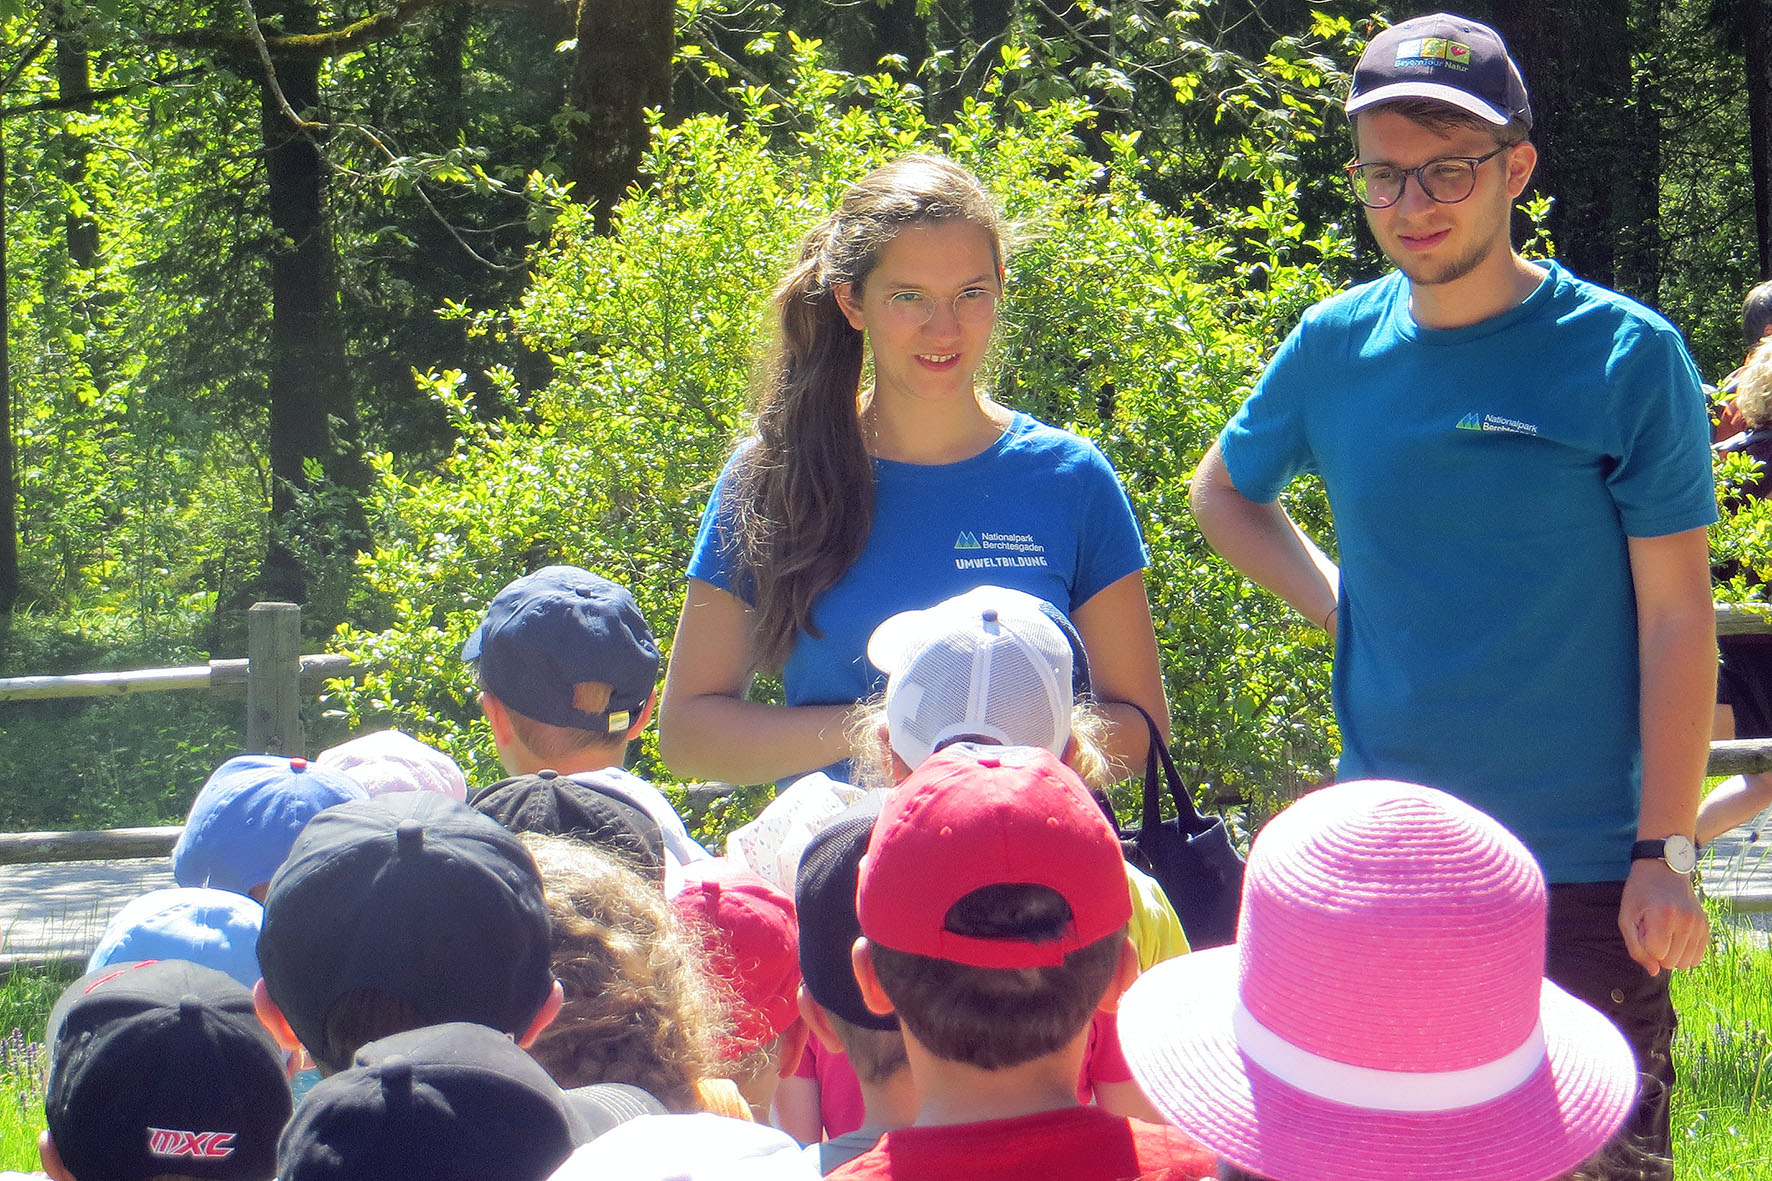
column 1721, row 1120
column 1709, row 260
column 1132, row 325
column 26, row 996
column 108, row 762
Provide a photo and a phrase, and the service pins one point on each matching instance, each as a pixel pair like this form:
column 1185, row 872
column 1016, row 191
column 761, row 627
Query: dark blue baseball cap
column 550, row 634
column 440, row 1103
column 1445, row 58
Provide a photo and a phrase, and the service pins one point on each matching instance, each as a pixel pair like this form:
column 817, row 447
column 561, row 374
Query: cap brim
column 1438, row 92
column 896, row 639
column 1176, row 1026
column 599, row 1107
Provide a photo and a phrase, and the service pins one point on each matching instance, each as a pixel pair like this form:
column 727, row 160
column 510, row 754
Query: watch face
column 1680, row 854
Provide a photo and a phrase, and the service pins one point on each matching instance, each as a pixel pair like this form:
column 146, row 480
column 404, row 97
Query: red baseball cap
column 747, row 925
column 973, row 816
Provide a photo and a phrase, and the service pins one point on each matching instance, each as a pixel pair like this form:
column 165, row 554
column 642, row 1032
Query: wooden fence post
column 273, row 679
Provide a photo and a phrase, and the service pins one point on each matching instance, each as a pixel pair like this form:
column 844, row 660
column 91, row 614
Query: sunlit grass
column 25, row 1000
column 1722, row 1104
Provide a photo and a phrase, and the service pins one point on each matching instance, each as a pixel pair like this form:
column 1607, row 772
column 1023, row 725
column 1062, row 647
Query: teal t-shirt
column 1484, row 481
column 1040, row 510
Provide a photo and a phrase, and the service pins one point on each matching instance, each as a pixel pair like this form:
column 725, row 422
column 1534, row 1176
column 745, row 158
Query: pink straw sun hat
column 1383, row 1013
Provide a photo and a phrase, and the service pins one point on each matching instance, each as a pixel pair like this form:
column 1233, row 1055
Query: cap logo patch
column 173, row 1143
column 1429, row 50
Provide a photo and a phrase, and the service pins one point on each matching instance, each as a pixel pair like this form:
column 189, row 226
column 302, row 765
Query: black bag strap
column 1191, row 821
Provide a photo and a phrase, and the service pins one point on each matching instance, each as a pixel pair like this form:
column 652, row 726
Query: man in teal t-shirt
column 1517, row 463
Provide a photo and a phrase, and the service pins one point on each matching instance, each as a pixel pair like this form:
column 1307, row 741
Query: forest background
column 375, row 306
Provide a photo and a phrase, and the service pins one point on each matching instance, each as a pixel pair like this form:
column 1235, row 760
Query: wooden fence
column 274, row 677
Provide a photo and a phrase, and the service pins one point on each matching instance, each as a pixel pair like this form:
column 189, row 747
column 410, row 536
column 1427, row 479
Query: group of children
column 953, row 974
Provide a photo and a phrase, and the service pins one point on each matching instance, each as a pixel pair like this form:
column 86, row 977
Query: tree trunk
column 623, row 66
column 1576, row 58
column 901, row 29
column 73, row 71
column 312, row 414
column 1757, row 17
column 8, row 454
column 1638, row 254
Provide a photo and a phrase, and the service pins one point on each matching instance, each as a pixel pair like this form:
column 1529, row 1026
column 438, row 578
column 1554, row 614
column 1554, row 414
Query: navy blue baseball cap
column 1447, row 59
column 418, row 897
column 550, row 635
column 441, row 1103
column 824, row 901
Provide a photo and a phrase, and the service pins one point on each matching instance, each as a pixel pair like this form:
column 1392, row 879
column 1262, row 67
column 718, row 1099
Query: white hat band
column 1385, row 1090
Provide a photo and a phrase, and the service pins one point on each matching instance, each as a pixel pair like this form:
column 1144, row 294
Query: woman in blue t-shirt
column 851, row 504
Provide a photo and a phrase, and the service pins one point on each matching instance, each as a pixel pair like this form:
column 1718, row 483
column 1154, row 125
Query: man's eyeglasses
column 913, row 309
column 1448, row 180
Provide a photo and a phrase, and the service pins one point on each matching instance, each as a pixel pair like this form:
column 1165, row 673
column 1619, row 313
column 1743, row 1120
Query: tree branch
column 330, row 43
column 79, row 102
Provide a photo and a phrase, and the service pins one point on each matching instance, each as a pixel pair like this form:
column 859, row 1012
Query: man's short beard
column 1446, row 272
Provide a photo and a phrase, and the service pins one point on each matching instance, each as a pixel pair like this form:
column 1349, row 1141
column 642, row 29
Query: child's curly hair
column 1753, row 390
column 637, row 1008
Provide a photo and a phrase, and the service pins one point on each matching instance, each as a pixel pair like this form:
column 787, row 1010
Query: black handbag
column 1190, row 855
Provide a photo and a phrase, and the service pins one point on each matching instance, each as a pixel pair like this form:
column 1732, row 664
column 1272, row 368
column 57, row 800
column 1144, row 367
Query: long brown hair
column 803, row 493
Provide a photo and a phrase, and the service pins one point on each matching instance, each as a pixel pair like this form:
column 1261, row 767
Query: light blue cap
column 215, row 928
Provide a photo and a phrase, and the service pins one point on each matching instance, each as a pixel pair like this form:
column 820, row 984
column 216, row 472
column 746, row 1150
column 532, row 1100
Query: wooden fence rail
column 273, row 678
column 283, row 677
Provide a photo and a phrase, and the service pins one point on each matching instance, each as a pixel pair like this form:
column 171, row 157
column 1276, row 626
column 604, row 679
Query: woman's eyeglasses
column 913, row 309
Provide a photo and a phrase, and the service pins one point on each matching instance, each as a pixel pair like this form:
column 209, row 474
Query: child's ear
column 790, row 1045
column 818, row 1021
column 550, row 1009
column 272, row 1018
column 872, row 995
column 646, row 712
column 1124, row 974
column 497, row 718
column 51, row 1158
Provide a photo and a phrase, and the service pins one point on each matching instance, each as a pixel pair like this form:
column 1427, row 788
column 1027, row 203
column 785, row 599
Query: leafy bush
column 1137, row 327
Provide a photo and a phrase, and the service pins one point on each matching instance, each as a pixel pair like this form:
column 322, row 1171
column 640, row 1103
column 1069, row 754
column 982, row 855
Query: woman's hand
column 706, row 728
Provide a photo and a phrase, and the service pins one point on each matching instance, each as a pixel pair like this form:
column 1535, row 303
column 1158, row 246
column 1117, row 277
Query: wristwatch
column 1679, row 852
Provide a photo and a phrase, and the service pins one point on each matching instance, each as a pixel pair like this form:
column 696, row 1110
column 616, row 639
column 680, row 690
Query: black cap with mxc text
column 1446, row 59
column 162, row 1068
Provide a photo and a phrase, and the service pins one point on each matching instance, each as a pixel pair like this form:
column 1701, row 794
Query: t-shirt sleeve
column 1110, row 545
column 714, row 559
column 1264, row 445
column 1106, row 1062
column 1661, row 480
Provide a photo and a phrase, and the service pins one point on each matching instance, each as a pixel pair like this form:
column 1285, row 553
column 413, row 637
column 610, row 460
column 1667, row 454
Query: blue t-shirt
column 1040, row 510
column 1484, row 481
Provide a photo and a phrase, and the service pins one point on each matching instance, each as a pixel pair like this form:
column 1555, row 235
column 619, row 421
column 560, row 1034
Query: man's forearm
column 1678, row 671
column 1263, row 542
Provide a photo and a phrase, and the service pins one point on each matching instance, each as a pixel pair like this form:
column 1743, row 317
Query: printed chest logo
column 985, row 550
column 170, row 1142
column 1476, row 420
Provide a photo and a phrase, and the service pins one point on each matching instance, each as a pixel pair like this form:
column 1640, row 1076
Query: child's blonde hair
column 637, row 1007
column 1753, row 389
column 872, row 757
